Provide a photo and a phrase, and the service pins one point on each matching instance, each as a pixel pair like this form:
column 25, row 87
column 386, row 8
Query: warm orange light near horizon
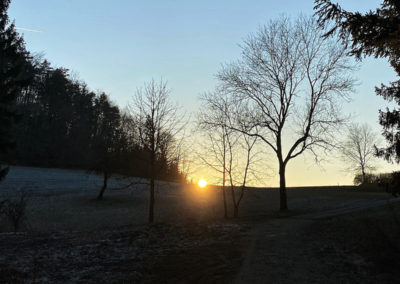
column 202, row 183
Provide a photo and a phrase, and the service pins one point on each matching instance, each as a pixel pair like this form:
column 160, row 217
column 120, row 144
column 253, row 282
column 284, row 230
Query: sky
column 116, row 46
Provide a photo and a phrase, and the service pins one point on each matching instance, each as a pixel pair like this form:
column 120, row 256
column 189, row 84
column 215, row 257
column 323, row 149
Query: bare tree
column 238, row 176
column 184, row 162
column 287, row 89
column 157, row 124
column 216, row 143
column 230, row 153
column 358, row 149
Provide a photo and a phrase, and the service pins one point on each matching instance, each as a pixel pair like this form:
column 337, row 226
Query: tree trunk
column 363, row 176
column 223, row 185
column 234, row 203
column 225, row 206
column 282, row 187
column 105, row 181
column 236, row 210
column 151, row 207
column 152, row 178
column 237, row 203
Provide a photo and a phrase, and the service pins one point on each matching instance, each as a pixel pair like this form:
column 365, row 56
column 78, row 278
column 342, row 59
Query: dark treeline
column 65, row 125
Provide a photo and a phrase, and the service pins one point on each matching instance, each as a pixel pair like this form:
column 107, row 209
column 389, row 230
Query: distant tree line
column 61, row 123
column 50, row 119
column 13, row 77
column 390, row 182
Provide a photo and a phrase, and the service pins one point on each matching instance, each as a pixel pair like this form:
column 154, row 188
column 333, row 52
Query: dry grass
column 71, row 236
column 80, row 211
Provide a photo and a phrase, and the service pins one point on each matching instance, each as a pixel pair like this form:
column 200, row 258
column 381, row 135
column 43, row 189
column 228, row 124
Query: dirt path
column 273, row 252
column 280, row 251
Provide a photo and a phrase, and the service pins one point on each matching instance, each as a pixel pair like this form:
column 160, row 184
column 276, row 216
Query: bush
column 390, row 182
column 15, row 210
column 369, row 179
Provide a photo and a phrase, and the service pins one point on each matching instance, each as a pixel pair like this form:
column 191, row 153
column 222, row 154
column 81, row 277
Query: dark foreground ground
column 158, row 253
column 361, row 247
column 358, row 247
column 331, row 235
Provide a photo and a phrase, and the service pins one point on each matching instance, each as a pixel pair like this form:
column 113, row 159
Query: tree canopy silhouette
column 357, row 149
column 65, row 125
column 157, row 124
column 61, row 123
column 13, row 60
column 375, row 33
column 287, row 90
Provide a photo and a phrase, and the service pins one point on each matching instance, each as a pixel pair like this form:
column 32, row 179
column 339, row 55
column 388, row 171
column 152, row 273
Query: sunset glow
column 202, row 183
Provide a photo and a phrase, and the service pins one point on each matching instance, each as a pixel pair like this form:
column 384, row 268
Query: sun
column 202, row 183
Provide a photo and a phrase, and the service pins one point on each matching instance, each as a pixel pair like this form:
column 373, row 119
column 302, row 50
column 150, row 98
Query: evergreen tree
column 375, row 33
column 61, row 123
column 13, row 59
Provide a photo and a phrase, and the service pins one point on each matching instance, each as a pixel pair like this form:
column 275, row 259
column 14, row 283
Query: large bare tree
column 157, row 124
column 287, row 89
column 358, row 148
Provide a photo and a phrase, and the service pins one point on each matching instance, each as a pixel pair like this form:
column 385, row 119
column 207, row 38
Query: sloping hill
column 56, row 181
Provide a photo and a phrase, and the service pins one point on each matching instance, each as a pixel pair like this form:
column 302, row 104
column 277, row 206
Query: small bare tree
column 240, row 171
column 157, row 124
column 358, row 149
column 289, row 85
column 230, row 153
column 216, row 143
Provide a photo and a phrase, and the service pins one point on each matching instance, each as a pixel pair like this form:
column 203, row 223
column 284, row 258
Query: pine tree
column 375, row 33
column 13, row 59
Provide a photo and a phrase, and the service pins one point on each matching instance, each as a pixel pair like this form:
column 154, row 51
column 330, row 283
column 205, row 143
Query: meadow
column 329, row 234
column 65, row 200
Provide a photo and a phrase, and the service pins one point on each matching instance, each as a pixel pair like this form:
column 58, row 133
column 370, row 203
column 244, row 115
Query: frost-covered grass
column 63, row 200
column 66, row 200
column 70, row 236
column 55, row 181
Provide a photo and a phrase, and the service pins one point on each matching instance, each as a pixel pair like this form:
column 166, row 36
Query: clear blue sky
column 114, row 46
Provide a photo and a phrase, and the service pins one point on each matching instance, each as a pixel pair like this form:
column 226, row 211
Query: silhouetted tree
column 183, row 163
column 357, row 150
column 215, row 146
column 62, row 123
column 157, row 125
column 368, row 178
column 239, row 175
column 13, row 60
column 105, row 139
column 375, row 33
column 228, row 152
column 288, row 85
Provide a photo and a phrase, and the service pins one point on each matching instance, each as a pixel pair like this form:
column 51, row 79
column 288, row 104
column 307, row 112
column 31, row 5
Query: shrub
column 15, row 210
column 369, row 179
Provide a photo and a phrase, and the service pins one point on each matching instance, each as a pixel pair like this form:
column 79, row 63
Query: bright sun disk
column 202, row 183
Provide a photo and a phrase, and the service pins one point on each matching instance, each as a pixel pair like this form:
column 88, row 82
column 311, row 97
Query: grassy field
column 68, row 235
column 65, row 200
